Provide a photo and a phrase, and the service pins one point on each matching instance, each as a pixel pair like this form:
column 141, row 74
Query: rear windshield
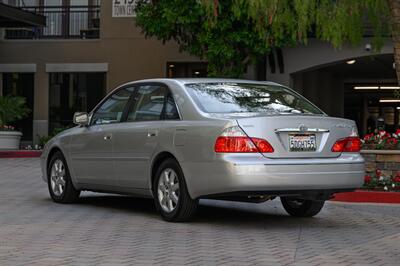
column 244, row 97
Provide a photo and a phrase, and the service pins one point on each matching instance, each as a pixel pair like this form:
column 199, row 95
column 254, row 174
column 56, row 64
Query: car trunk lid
column 299, row 136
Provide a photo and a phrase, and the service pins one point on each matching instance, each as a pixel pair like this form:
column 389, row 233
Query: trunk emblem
column 302, row 128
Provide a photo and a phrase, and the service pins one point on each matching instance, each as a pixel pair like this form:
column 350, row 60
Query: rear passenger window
column 149, row 103
column 171, row 112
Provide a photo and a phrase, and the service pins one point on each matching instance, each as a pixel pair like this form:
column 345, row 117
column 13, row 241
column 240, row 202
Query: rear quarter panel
column 191, row 142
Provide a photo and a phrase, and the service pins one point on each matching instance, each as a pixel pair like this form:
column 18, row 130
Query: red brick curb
column 20, row 154
column 368, row 196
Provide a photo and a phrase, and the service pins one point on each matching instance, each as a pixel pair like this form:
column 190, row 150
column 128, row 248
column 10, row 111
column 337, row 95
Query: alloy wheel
column 168, row 190
column 57, row 178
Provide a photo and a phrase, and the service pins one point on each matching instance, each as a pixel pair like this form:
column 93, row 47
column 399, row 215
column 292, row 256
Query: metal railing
column 62, row 22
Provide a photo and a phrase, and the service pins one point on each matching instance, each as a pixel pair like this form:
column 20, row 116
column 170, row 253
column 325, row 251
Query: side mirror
column 81, row 119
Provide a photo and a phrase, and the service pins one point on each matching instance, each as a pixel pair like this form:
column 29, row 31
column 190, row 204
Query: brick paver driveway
column 114, row 230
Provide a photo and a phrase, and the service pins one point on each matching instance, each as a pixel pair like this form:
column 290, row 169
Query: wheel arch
column 52, row 150
column 158, row 159
column 51, row 153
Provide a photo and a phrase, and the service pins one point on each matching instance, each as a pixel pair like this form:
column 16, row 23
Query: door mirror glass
column 81, row 118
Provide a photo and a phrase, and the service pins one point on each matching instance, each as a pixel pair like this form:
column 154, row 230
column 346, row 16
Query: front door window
column 112, row 109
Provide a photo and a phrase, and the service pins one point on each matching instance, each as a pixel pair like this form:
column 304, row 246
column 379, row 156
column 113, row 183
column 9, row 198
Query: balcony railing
column 62, row 22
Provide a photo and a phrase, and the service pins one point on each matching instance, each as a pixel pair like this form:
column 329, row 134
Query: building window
column 21, row 84
column 66, row 19
column 186, row 69
column 73, row 92
column 21, row 3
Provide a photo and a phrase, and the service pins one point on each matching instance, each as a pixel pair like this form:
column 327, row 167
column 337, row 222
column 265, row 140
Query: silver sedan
column 180, row 140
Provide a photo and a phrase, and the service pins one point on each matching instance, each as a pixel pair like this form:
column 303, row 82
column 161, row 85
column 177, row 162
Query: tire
column 302, row 208
column 62, row 177
column 172, row 202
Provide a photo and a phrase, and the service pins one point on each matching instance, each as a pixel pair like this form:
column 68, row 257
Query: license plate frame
column 302, row 142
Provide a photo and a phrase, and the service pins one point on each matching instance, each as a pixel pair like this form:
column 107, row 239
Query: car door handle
column 108, row 137
column 152, row 134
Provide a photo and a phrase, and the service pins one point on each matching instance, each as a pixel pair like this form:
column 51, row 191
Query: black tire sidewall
column 68, row 182
column 309, row 208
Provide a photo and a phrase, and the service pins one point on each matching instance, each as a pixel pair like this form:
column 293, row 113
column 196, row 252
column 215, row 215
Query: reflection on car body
column 180, row 140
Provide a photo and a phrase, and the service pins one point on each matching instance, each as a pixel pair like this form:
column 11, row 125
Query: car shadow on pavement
column 120, row 202
column 209, row 212
column 232, row 213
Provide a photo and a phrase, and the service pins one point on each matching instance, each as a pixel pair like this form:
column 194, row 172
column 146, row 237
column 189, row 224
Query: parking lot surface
column 119, row 230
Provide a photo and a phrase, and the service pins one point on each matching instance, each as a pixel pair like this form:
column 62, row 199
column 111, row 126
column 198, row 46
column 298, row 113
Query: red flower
column 396, row 179
column 368, row 137
column 392, row 141
column 397, row 131
column 367, row 179
column 378, row 172
column 7, row 128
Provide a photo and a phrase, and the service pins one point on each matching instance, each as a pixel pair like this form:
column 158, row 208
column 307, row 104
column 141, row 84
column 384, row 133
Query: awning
column 11, row 17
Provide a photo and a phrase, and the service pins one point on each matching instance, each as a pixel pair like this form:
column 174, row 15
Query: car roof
column 183, row 81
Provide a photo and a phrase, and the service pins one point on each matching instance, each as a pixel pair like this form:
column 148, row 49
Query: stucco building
column 88, row 47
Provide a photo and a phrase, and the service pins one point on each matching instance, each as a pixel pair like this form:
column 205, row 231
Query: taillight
column 233, row 139
column 349, row 144
column 263, row 145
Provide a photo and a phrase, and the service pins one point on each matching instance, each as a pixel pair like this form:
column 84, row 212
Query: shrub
column 12, row 108
column 382, row 140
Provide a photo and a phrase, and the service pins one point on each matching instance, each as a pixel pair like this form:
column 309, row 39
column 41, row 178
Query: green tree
column 227, row 46
column 229, row 34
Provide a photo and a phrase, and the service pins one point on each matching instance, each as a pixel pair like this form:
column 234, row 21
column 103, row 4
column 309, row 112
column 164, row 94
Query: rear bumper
column 256, row 174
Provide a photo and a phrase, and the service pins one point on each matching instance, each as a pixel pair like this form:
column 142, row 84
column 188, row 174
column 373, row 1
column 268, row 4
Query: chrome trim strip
column 315, row 130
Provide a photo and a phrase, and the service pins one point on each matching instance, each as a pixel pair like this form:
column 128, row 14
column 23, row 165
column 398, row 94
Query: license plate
column 300, row 142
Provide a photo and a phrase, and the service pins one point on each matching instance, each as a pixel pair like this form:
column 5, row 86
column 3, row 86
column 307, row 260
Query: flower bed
column 6, row 128
column 379, row 181
column 381, row 140
column 382, row 169
column 386, row 161
column 382, row 179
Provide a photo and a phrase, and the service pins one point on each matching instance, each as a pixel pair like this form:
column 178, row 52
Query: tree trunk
column 394, row 6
